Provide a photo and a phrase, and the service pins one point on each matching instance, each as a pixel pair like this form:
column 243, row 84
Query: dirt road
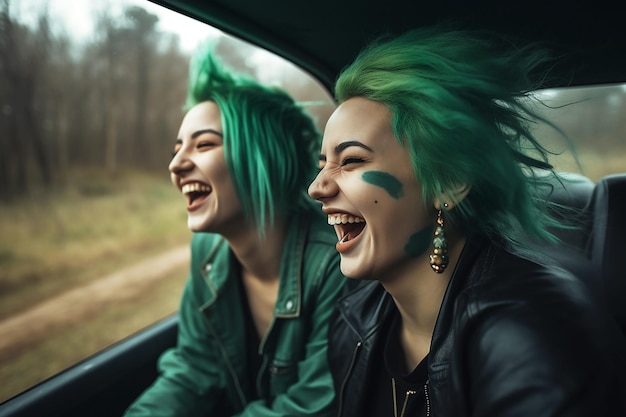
column 28, row 327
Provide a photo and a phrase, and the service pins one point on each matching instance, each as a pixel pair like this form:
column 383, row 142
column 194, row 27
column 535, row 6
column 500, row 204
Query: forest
column 107, row 104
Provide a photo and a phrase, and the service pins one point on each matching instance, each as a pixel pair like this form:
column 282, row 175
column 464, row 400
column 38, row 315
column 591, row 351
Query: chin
column 351, row 273
column 197, row 226
column 194, row 229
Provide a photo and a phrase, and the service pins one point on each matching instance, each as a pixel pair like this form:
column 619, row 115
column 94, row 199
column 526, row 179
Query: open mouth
column 195, row 193
column 347, row 226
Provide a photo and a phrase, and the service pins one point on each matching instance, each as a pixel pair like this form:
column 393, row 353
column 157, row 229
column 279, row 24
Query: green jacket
column 205, row 374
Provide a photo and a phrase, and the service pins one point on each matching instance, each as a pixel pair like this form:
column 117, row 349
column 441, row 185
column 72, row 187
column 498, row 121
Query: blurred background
column 93, row 236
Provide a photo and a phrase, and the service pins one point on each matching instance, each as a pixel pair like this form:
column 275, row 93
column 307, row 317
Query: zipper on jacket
column 229, row 365
column 427, row 397
column 259, row 376
column 261, row 351
column 345, row 380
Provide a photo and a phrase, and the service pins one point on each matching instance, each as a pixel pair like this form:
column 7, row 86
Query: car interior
column 589, row 36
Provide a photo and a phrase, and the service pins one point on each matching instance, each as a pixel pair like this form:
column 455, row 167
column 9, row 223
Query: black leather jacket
column 514, row 337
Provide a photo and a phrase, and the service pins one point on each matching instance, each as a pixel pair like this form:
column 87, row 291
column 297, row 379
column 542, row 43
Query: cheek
column 386, row 181
column 213, row 166
column 385, row 185
column 395, row 214
column 419, row 242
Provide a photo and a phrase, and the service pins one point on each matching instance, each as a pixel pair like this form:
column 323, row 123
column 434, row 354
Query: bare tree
column 143, row 36
column 23, row 67
column 112, row 103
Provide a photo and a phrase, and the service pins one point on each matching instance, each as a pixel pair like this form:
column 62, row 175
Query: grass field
column 56, row 241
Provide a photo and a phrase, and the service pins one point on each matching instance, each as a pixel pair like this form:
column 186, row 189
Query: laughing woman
column 264, row 272
column 425, row 179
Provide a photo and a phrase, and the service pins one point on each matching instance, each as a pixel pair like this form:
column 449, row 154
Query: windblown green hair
column 459, row 104
column 269, row 140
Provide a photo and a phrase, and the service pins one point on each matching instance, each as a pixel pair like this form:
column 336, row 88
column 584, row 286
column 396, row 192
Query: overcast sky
column 78, row 17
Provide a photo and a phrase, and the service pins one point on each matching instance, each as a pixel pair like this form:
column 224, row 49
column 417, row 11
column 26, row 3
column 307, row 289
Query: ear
column 449, row 200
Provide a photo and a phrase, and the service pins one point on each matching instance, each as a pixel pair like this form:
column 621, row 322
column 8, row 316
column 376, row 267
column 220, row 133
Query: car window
column 593, row 123
column 93, row 236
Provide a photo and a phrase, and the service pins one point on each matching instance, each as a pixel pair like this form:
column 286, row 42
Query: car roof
column 322, row 36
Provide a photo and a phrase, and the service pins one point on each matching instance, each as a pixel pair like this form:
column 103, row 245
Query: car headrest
column 571, row 195
column 608, row 243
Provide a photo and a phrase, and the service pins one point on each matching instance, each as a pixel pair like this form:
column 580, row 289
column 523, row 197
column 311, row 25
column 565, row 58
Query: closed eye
column 206, row 145
column 348, row 161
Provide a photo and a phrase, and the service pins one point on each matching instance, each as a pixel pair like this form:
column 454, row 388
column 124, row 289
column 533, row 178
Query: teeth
column 195, row 187
column 343, row 219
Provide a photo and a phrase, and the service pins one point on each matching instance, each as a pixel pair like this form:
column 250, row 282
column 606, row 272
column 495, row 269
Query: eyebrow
column 203, row 131
column 344, row 145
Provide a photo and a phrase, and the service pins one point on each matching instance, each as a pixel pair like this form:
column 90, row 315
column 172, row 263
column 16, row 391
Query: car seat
column 595, row 248
column 608, row 243
column 572, row 196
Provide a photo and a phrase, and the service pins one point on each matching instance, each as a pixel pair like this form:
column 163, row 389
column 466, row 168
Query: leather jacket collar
column 366, row 308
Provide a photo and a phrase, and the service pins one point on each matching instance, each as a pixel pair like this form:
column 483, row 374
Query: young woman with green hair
column 432, row 179
column 264, row 274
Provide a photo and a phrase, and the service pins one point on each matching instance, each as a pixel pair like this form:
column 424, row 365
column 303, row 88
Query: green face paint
column 386, row 181
column 419, row 242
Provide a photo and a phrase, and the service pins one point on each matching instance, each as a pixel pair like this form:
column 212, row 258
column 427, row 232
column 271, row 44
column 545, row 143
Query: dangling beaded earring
column 439, row 257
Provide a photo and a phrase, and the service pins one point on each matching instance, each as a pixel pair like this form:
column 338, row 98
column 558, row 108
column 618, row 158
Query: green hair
column 459, row 103
column 269, row 140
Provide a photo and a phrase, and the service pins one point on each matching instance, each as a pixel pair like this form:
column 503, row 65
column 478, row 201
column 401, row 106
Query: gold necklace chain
column 395, row 402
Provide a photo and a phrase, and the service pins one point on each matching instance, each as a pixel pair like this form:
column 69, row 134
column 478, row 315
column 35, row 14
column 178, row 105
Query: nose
column 322, row 187
column 180, row 163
